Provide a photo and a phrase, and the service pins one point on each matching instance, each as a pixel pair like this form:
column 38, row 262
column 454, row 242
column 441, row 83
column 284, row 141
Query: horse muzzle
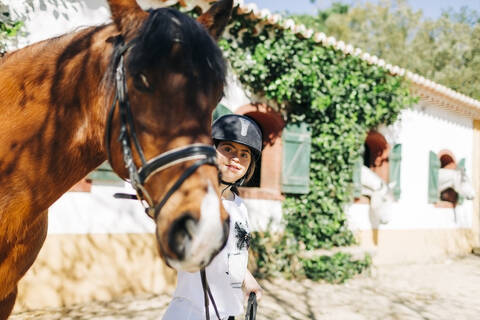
column 194, row 242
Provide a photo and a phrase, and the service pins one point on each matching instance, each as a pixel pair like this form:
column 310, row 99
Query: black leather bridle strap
column 173, row 157
column 206, row 294
column 119, row 50
column 187, row 173
column 204, row 154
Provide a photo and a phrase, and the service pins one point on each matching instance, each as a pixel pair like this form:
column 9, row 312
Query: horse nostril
column 181, row 233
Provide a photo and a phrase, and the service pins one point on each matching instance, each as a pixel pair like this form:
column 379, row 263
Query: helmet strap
column 229, row 185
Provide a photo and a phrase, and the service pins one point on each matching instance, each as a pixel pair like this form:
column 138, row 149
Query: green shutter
column 461, row 166
column 395, row 160
column 219, row 111
column 296, row 140
column 357, row 177
column 104, row 173
column 434, row 166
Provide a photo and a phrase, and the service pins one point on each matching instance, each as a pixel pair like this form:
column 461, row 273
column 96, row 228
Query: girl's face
column 233, row 160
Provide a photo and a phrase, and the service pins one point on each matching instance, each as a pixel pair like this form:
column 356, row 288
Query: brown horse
column 161, row 73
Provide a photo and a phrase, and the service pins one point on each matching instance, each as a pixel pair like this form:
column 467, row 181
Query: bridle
column 203, row 153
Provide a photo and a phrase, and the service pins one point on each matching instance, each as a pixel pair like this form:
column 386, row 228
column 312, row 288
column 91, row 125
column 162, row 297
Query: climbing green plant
column 8, row 27
column 341, row 97
column 335, row 269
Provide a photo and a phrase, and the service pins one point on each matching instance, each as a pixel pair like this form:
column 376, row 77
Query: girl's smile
column 233, row 167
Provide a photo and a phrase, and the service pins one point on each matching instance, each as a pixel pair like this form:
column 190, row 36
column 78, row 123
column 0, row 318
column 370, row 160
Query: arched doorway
column 266, row 183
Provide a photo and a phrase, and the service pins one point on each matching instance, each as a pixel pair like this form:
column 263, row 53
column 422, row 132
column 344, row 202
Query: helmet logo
column 245, row 124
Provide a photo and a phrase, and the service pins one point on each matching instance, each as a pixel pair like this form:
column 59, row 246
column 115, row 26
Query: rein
column 206, row 294
column 203, row 153
column 251, row 313
column 251, row 307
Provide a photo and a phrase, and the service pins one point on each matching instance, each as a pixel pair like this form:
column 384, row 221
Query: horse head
column 166, row 77
column 381, row 196
column 382, row 203
column 466, row 187
column 456, row 180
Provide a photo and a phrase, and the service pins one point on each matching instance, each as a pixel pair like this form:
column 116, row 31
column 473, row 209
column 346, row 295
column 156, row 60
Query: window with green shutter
column 434, row 166
column 296, row 139
column 395, row 161
column 219, row 111
column 461, row 166
column 104, row 173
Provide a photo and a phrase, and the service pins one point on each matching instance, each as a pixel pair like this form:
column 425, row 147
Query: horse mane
column 199, row 58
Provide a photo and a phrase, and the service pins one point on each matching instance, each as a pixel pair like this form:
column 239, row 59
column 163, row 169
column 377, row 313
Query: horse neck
column 55, row 105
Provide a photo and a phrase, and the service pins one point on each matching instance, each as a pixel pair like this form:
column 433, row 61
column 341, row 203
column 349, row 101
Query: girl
column 238, row 140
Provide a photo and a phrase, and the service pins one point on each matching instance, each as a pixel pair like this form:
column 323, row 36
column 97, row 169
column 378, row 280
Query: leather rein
column 203, row 153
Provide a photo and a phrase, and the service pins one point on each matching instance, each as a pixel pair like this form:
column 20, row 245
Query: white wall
column 422, row 129
column 45, row 19
column 98, row 212
column 234, row 94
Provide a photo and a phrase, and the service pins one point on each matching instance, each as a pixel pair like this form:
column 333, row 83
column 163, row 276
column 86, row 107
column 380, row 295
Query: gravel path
column 448, row 290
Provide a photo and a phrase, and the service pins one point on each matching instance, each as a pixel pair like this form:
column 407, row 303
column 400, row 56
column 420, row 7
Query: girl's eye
column 227, row 149
column 245, row 155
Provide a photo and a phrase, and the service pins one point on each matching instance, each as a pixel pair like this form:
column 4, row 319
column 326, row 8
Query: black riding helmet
column 240, row 129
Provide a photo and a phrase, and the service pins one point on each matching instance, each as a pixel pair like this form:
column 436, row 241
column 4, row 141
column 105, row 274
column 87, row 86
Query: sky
column 431, row 8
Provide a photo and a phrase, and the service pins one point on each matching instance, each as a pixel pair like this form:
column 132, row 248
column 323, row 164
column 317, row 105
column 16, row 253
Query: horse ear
column 127, row 15
column 217, row 17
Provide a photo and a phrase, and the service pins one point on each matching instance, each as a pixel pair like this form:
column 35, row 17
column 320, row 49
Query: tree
column 445, row 50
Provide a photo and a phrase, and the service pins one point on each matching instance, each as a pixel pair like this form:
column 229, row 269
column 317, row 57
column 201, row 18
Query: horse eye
column 144, row 80
column 141, row 82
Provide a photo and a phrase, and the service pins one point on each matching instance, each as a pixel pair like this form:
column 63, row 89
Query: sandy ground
column 448, row 290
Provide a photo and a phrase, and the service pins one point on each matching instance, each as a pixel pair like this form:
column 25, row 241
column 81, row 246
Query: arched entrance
column 266, row 183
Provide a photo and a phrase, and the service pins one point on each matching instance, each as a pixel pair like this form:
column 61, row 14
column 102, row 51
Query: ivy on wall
column 8, row 27
column 340, row 97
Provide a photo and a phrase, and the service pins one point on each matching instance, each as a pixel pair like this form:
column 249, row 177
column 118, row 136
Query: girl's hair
column 251, row 170
column 248, row 175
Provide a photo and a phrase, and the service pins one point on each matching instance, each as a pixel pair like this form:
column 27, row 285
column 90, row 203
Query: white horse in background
column 380, row 194
column 456, row 179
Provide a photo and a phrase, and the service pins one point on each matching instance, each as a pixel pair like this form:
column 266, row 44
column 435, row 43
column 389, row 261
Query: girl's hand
column 251, row 285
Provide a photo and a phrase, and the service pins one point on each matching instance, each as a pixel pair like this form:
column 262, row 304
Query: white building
column 99, row 247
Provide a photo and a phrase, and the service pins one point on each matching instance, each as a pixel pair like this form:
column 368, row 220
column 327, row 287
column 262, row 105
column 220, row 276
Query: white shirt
column 225, row 274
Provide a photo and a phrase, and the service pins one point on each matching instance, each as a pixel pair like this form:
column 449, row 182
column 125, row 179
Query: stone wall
column 73, row 269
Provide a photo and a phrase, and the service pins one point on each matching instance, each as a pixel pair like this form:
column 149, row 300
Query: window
column 378, row 170
column 448, row 183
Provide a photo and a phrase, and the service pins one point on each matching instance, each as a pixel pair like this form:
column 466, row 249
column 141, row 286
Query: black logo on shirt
column 242, row 236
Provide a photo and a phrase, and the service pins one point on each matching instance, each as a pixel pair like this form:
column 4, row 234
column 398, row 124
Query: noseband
column 204, row 154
